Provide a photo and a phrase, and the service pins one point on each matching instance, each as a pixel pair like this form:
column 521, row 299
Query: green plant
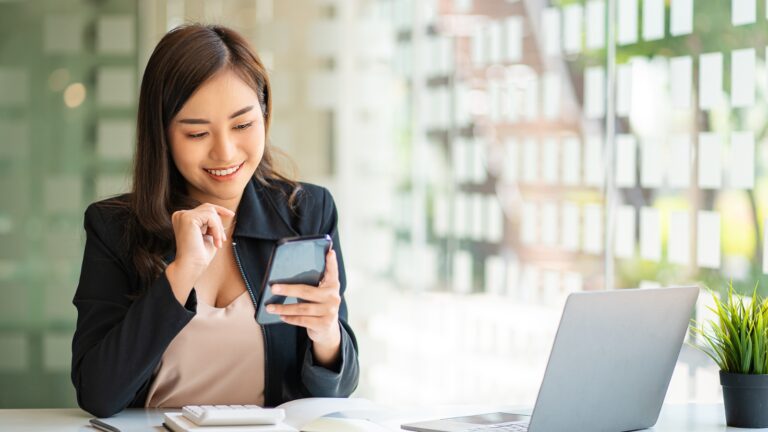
column 737, row 340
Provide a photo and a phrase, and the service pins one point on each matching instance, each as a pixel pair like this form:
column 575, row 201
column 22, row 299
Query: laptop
column 609, row 368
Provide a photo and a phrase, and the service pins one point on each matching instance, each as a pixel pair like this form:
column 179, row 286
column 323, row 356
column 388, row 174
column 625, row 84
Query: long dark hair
column 184, row 59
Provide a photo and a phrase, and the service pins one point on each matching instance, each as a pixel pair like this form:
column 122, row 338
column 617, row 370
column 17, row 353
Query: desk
column 674, row 418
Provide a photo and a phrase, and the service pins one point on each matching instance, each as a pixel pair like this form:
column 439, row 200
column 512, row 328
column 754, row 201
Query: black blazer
column 120, row 339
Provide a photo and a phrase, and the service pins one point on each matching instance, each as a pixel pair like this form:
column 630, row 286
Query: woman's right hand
column 199, row 234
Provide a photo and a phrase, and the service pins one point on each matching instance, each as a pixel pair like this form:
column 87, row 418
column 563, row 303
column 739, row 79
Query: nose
column 224, row 148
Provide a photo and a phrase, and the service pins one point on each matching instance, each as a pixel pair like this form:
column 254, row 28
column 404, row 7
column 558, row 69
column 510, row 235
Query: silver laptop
column 609, row 369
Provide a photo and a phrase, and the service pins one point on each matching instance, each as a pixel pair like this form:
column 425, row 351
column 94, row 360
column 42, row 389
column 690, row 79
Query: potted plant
column 737, row 340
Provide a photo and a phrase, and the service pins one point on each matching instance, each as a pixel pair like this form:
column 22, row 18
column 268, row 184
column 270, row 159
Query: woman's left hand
column 318, row 313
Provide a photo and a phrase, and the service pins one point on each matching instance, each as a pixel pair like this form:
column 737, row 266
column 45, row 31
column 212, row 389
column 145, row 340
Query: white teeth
column 223, row 172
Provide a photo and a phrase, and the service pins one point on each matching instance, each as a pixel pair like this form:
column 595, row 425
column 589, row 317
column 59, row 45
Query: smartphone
column 294, row 260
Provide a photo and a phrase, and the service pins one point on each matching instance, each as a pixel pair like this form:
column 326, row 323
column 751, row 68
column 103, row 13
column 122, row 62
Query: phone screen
column 294, row 261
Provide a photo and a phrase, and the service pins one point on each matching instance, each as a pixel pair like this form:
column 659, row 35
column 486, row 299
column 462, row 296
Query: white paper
column 530, row 160
column 552, row 96
column 571, row 160
column 681, row 17
column 681, row 70
column 494, row 275
column 708, row 240
column 743, row 12
column 625, row 231
column 679, row 237
column 551, row 33
column 742, row 160
column 710, row 160
column 679, row 161
column 479, row 219
column 593, row 161
column 651, row 172
column 595, row 24
column 115, row 34
column 623, row 89
column 653, row 19
column 550, row 168
column 495, row 33
column 594, row 92
column 549, row 224
column 495, row 100
column 593, row 228
column 513, row 30
column 625, row 160
column 650, row 234
column 462, row 272
column 495, row 220
column 627, row 23
column 570, row 227
column 572, row 28
column 710, row 80
column 743, row 77
column 529, row 224
column 511, row 172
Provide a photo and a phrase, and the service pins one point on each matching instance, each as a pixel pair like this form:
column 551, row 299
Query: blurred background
column 488, row 157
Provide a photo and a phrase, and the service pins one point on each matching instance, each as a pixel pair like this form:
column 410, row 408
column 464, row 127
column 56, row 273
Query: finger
column 215, row 226
column 308, row 322
column 223, row 210
column 331, row 276
column 305, row 292
column 303, row 309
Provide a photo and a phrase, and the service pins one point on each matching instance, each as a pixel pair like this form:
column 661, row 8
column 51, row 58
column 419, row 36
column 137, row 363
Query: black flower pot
column 746, row 399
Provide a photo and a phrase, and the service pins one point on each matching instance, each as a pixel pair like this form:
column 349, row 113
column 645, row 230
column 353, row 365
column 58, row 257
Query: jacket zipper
column 256, row 306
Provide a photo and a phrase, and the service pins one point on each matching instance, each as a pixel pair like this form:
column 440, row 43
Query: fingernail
column 276, row 289
column 270, row 308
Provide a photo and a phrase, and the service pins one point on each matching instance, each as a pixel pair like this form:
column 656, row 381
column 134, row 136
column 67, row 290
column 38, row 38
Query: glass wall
column 488, row 158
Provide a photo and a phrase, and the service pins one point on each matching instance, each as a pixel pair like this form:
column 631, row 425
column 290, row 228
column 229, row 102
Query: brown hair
column 184, row 59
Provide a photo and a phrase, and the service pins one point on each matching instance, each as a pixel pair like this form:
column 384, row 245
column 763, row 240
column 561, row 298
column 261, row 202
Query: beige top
column 216, row 359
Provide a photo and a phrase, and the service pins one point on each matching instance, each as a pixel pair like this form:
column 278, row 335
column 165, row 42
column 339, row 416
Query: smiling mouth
column 223, row 172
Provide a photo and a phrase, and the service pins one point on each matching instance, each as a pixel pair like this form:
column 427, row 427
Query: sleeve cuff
column 321, row 381
column 162, row 293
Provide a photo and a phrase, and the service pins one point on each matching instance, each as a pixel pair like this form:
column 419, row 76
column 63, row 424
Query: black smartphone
column 294, row 260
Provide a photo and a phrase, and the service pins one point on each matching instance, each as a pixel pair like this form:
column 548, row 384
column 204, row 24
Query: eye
column 243, row 126
column 197, row 135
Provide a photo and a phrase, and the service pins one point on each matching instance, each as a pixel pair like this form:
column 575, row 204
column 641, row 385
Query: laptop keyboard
column 502, row 427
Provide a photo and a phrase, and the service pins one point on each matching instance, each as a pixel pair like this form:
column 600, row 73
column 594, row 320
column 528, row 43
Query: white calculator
column 232, row 415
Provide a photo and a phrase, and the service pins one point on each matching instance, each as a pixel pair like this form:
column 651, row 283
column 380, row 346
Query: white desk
column 674, row 418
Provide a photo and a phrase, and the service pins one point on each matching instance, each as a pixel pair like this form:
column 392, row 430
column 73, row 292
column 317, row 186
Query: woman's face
column 217, row 139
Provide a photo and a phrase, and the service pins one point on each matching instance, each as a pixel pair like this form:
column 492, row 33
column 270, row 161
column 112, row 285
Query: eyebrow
column 239, row 112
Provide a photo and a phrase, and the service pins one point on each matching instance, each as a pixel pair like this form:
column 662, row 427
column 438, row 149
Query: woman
column 167, row 294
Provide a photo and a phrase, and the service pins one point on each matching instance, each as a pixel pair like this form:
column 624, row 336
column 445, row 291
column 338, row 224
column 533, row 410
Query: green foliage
column 738, row 339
